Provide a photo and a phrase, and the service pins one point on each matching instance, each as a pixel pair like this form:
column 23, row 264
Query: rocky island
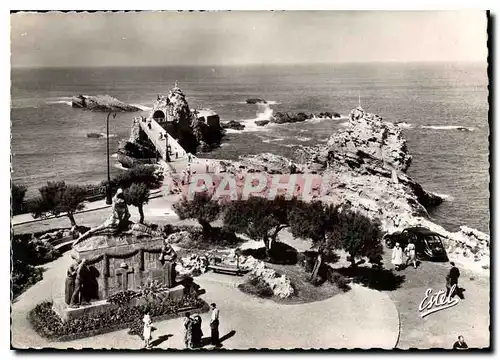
column 194, row 130
column 101, row 103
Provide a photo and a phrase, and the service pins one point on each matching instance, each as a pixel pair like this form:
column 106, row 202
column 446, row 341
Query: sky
column 243, row 37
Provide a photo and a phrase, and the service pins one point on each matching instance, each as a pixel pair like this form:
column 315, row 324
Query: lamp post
column 108, row 185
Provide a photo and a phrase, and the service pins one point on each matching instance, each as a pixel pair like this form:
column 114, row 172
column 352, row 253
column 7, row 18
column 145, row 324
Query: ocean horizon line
column 436, row 62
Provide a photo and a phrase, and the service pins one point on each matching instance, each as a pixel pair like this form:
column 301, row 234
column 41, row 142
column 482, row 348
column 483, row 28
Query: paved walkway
column 359, row 318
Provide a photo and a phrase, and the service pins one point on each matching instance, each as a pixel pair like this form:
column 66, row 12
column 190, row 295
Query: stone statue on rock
column 118, row 221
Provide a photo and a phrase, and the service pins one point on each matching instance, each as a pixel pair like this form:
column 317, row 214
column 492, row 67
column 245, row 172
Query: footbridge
column 162, row 143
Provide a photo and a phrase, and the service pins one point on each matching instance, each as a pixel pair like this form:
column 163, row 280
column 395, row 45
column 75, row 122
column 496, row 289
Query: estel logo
column 436, row 302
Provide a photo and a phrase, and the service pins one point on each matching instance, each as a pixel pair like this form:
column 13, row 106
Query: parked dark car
column 428, row 244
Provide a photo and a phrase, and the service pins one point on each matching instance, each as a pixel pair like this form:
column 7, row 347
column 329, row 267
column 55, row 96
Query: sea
column 441, row 107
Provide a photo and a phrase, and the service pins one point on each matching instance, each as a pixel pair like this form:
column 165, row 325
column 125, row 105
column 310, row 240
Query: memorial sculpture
column 118, row 255
column 117, row 221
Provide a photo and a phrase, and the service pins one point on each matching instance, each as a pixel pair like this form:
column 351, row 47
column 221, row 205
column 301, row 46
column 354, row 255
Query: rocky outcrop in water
column 235, row 125
column 261, row 122
column 293, row 117
column 101, row 103
column 256, row 101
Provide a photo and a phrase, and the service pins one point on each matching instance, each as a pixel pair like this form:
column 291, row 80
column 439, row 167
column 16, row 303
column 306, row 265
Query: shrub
column 26, row 253
column 122, row 298
column 256, row 286
column 18, row 191
column 23, row 276
column 339, row 280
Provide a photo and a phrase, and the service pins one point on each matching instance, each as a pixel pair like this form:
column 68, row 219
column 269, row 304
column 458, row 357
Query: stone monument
column 116, row 256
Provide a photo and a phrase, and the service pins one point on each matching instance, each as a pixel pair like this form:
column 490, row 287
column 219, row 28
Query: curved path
column 359, row 318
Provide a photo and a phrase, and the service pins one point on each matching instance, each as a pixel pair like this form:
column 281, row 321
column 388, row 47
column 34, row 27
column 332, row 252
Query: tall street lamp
column 108, row 185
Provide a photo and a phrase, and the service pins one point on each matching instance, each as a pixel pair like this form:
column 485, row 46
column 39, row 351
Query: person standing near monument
column 197, row 332
column 147, row 331
column 214, row 325
column 188, row 331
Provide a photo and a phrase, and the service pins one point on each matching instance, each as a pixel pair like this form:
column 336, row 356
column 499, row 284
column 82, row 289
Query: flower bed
column 49, row 325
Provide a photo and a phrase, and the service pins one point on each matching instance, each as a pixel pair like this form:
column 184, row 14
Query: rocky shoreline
column 366, row 164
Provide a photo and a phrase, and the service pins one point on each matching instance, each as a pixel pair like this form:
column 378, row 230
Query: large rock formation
column 101, row 103
column 364, row 166
column 371, row 135
column 195, row 131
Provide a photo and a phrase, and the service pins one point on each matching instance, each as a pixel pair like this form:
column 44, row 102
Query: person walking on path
column 207, row 166
column 411, row 255
column 214, row 325
column 460, row 344
column 397, row 256
column 452, row 279
column 188, row 331
column 197, row 332
column 147, row 331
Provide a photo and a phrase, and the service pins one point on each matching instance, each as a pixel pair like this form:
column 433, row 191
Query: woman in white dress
column 147, row 331
column 397, row 256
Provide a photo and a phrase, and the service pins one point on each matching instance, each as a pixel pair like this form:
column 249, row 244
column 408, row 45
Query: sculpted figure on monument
column 118, row 221
column 168, row 254
column 79, row 274
column 70, row 281
column 167, row 259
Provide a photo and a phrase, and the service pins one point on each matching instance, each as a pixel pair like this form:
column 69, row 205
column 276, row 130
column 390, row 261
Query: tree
column 315, row 220
column 202, row 208
column 137, row 195
column 17, row 191
column 259, row 218
column 56, row 198
column 358, row 235
column 141, row 174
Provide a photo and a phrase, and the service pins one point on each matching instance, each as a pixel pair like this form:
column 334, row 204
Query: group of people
column 409, row 252
column 193, row 333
